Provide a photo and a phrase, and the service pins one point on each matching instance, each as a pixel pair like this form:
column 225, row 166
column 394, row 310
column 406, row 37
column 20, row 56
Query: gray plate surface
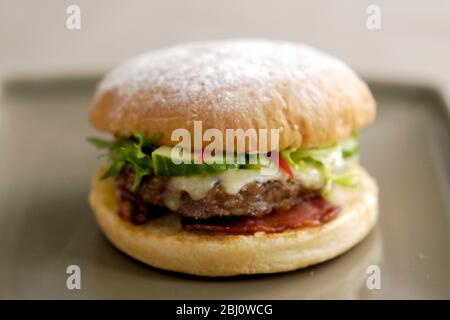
column 46, row 224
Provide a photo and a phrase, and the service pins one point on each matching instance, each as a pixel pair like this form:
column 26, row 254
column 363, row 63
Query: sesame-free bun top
column 313, row 98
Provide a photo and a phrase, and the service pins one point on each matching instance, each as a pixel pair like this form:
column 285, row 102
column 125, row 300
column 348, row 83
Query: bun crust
column 313, row 98
column 162, row 243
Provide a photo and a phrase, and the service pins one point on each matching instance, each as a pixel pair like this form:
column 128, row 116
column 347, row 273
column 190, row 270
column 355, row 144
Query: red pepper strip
column 201, row 157
column 285, row 167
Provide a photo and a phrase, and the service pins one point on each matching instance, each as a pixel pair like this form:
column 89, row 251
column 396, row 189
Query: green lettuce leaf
column 325, row 160
column 136, row 151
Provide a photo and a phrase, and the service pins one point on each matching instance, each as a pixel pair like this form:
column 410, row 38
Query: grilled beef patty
column 254, row 199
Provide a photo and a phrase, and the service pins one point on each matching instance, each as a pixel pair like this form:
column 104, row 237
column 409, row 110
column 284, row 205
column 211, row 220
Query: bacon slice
column 310, row 213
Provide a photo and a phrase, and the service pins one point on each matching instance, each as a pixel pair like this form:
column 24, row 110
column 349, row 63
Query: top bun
column 313, row 98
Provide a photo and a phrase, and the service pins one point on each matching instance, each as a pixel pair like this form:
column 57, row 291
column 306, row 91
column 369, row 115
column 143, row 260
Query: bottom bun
column 162, row 242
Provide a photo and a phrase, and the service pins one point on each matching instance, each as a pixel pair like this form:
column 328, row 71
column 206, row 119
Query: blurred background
column 413, row 43
column 49, row 74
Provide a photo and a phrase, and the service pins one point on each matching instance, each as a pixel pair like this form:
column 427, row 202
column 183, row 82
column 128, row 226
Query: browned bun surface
column 314, row 99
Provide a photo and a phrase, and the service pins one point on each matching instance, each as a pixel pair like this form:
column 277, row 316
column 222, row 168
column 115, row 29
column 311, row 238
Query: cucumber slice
column 164, row 164
column 261, row 161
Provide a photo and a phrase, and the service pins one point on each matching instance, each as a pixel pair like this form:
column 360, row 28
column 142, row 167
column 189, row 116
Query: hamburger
column 171, row 205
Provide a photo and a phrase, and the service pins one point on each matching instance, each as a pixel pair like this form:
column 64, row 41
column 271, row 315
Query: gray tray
column 46, row 224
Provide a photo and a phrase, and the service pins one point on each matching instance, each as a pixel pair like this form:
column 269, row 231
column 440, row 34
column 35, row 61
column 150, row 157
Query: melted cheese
column 310, row 178
column 232, row 181
column 196, row 186
column 172, row 199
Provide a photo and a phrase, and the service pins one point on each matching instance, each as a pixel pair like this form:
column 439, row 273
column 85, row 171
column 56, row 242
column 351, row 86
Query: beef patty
column 254, row 199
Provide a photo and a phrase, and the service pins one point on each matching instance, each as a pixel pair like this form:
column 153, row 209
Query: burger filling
column 228, row 197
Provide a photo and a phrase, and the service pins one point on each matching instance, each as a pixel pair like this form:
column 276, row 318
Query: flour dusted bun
column 314, row 99
column 163, row 243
